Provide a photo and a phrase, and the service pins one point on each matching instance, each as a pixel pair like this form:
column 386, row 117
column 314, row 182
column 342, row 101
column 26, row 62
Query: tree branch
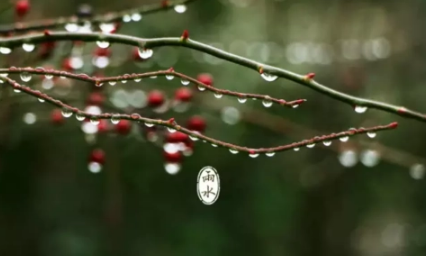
column 110, row 17
column 173, row 126
column 186, row 79
column 266, row 70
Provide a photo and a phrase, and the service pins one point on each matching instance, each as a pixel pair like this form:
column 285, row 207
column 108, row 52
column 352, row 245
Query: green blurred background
column 362, row 197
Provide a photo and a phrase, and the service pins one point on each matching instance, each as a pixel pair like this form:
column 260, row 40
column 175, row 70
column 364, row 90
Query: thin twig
column 99, row 81
column 306, row 80
column 173, row 126
column 110, row 17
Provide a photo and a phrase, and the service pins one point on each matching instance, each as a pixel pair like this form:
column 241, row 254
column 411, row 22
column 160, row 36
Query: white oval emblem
column 208, row 185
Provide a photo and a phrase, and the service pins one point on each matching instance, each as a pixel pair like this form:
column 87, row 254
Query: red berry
column 123, row 127
column 66, row 65
column 196, row 123
column 22, row 7
column 177, row 137
column 183, row 94
column 205, row 78
column 102, row 52
column 103, row 126
column 96, row 98
column 97, row 156
column 135, row 55
column 57, row 117
column 155, row 98
column 173, row 157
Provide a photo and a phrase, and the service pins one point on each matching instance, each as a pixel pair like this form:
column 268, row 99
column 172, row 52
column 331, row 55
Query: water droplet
column 170, row 77
column 417, row 171
column 360, row 109
column 233, row 151
column 310, row 145
column 94, row 120
column 344, row 139
column 327, row 143
column 136, row 17
column 180, row 8
column 112, row 83
column 268, row 77
column 79, row 117
column 66, row 112
column 94, row 167
column 295, row 106
column 201, row 88
column 218, row 95
column 127, row 18
column 5, row 50
column 145, row 53
column 147, row 124
column 193, row 138
column 184, row 82
column 107, row 27
column 71, row 27
column 25, row 76
column 4, row 74
column 214, row 145
column 267, row 102
column 242, row 99
column 253, row 155
column 115, row 119
column 123, row 81
column 138, row 79
column 103, row 44
column 371, row 134
column 28, row 47
column 270, row 154
column 296, row 149
column 48, row 76
column 171, row 130
column 172, row 168
column 16, row 90
column 41, row 100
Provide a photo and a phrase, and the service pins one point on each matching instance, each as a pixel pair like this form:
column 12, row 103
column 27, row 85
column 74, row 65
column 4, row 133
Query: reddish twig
column 98, row 81
column 110, row 17
column 270, row 73
column 173, row 126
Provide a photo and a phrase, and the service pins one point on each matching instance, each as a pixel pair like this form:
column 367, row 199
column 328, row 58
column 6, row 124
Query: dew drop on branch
column 171, row 130
column 79, row 117
column 138, row 79
column 4, row 74
column 327, row 143
column 253, row 155
column 201, row 88
column 360, row 109
column 123, row 81
column 25, row 76
column 147, row 124
column 103, row 44
column 270, row 154
column 193, row 138
column 107, row 27
column 310, row 145
column 41, row 100
column 180, row 8
column 344, row 139
column 28, row 47
column 170, row 77
column 242, row 99
column 145, row 53
column 66, row 112
column 48, row 76
column 267, row 102
column 115, row 119
column 295, row 106
column 184, row 82
column 371, row 134
column 5, row 50
column 94, row 120
column 297, row 149
column 153, row 77
column 16, row 90
column 71, row 27
column 136, row 17
column 268, row 77
column 217, row 95
column 127, row 18
column 112, row 83
column 233, row 151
